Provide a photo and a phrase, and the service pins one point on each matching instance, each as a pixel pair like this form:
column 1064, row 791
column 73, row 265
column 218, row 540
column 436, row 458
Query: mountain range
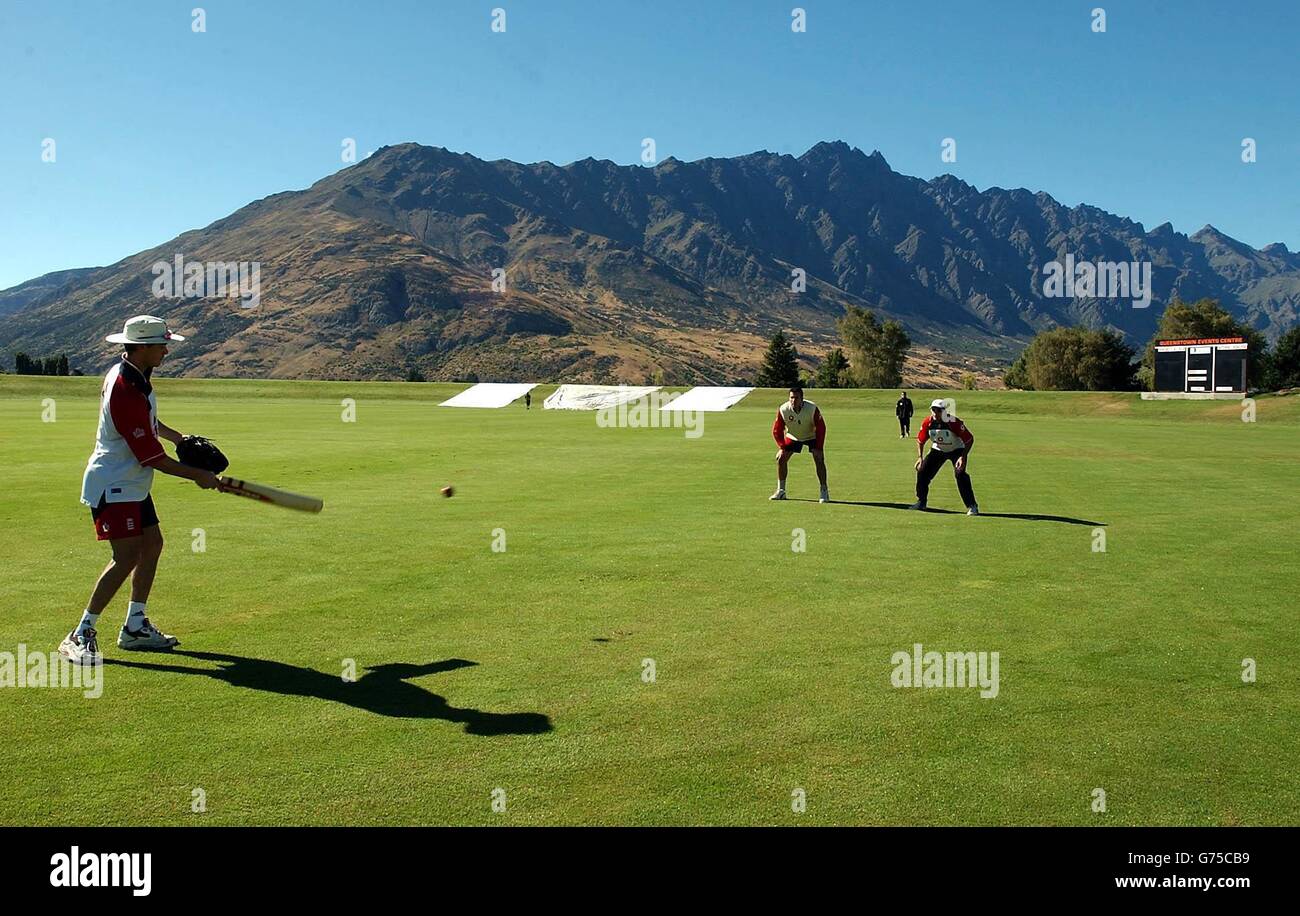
column 609, row 273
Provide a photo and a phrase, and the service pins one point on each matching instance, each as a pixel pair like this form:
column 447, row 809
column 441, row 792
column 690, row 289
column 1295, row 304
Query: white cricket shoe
column 146, row 639
column 973, row 510
column 917, row 505
column 779, row 494
column 83, row 651
column 825, row 496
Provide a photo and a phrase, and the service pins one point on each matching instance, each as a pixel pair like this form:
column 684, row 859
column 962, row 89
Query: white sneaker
column 146, row 639
column 83, row 651
column 825, row 497
column 973, row 510
column 779, row 494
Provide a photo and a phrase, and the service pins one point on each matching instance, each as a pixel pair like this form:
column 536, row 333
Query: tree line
column 876, row 351
column 50, row 365
column 1088, row 359
column 872, row 352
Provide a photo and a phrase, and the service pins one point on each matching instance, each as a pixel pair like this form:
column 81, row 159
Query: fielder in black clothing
column 903, row 410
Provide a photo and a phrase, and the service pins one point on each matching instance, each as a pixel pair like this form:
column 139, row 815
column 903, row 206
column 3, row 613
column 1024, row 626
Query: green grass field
column 1119, row 670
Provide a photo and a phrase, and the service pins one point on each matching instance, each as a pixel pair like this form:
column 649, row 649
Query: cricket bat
column 262, row 493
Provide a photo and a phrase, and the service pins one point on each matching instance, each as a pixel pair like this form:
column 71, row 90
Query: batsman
column 116, row 487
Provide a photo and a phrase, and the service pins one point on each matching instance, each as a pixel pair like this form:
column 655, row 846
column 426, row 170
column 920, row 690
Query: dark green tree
column 834, row 371
column 1286, row 360
column 1017, row 375
column 62, row 366
column 780, row 364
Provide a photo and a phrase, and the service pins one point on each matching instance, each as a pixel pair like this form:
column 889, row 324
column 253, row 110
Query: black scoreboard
column 1209, row 364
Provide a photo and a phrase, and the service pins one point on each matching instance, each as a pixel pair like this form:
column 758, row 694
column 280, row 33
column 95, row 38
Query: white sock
column 135, row 615
column 88, row 621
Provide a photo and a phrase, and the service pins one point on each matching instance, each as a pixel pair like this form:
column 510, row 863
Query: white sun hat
column 144, row 329
column 938, row 402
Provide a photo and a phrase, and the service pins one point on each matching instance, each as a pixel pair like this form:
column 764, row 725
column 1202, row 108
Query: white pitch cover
column 708, row 398
column 594, row 397
column 489, row 394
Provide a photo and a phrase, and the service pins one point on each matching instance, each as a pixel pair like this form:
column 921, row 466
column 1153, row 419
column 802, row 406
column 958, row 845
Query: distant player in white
column 798, row 424
column 116, row 486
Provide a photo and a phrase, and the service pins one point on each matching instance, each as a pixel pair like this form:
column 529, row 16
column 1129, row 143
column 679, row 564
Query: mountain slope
column 615, row 272
column 43, row 289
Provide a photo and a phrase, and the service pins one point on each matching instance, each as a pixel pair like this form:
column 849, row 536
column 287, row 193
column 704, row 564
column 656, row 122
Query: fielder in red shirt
column 949, row 440
column 799, row 424
column 116, row 487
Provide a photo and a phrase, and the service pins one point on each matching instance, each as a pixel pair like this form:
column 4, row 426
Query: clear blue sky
column 159, row 129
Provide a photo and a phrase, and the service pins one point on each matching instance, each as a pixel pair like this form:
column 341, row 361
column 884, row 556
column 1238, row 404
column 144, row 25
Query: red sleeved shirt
column 819, row 429
column 126, row 439
column 949, row 435
column 129, row 408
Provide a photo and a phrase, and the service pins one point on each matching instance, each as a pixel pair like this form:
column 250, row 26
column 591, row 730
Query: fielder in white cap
column 949, row 440
column 116, row 486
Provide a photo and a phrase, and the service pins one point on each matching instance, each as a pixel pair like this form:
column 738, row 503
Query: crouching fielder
column 799, row 424
column 950, row 440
